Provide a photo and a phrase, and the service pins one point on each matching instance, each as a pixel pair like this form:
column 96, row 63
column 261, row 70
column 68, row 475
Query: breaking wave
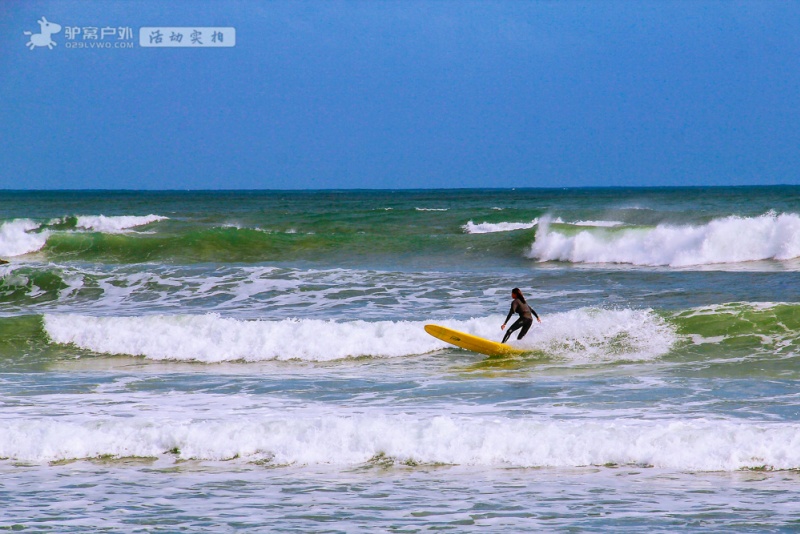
column 23, row 236
column 111, row 225
column 16, row 238
column 584, row 335
column 351, row 439
column 727, row 240
column 487, row 228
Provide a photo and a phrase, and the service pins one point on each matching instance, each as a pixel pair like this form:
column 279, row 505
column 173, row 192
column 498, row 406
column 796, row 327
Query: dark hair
column 517, row 293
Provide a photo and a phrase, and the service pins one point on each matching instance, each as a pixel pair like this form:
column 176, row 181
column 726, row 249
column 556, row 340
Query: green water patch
column 19, row 332
column 249, row 245
column 69, row 222
column 29, row 285
column 23, row 343
column 740, row 339
column 25, row 346
column 775, row 327
column 605, row 232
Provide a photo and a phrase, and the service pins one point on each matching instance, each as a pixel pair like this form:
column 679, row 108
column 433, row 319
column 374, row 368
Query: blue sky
column 406, row 94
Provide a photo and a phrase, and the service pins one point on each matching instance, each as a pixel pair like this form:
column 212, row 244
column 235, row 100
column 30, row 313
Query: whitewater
column 584, row 334
column 726, row 240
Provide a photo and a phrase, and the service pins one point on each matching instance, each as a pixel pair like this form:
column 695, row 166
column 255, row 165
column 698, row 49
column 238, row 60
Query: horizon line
column 406, row 189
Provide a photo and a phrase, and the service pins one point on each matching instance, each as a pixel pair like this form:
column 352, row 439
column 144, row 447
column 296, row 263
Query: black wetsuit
column 525, row 320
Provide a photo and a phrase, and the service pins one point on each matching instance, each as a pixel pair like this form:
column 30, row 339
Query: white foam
column 347, row 439
column 607, row 224
column 211, row 338
column 115, row 224
column 486, row 227
column 261, row 292
column 585, row 335
column 726, row 240
column 431, row 209
column 16, row 238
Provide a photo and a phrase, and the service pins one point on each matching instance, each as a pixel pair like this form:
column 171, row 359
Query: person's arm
column 510, row 312
column 535, row 314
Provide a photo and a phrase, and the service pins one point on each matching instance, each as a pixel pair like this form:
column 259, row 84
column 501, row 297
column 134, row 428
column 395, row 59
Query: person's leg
column 511, row 328
column 525, row 327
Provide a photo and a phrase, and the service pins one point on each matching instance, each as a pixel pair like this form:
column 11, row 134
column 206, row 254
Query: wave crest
column 115, row 224
column 487, row 228
column 16, row 238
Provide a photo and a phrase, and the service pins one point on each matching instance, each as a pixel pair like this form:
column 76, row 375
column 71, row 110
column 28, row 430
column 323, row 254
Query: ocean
column 256, row 360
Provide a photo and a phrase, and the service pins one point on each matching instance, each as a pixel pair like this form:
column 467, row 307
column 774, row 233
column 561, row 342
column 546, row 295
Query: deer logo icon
column 43, row 38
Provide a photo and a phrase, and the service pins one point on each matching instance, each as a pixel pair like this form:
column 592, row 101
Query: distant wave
column 23, row 236
column 486, row 227
column 308, row 437
column 584, row 335
column 431, row 209
column 726, row 240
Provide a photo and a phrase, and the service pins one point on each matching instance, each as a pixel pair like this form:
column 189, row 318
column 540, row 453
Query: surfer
column 526, row 314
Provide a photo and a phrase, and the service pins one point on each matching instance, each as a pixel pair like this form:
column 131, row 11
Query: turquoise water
column 256, row 360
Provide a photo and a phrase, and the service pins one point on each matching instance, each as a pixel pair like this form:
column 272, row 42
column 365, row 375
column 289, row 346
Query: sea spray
column 602, row 335
column 17, row 238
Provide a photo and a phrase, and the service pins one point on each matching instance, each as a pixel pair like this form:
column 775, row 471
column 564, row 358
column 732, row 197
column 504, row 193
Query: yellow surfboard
column 470, row 342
